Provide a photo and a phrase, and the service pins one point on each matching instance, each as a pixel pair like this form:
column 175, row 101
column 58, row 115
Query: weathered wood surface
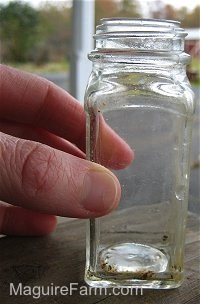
column 60, row 259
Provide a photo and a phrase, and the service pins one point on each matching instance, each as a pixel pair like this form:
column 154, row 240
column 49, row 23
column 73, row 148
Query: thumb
column 35, row 176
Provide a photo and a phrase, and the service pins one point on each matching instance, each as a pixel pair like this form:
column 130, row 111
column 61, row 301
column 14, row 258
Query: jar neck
column 132, row 40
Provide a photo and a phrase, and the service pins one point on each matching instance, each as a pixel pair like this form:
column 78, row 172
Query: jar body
column 150, row 108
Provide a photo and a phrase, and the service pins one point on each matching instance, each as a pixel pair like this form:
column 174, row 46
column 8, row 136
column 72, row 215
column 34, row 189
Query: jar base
column 133, row 265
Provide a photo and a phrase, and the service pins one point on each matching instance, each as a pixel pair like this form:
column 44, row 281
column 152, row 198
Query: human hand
column 43, row 170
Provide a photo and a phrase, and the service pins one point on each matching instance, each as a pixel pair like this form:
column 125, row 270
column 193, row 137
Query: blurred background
column 52, row 39
column 37, row 35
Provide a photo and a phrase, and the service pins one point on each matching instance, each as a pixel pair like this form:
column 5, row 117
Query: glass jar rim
column 142, row 21
column 120, row 27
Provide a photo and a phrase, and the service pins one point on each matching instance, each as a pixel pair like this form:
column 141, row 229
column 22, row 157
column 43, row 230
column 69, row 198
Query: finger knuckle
column 40, row 170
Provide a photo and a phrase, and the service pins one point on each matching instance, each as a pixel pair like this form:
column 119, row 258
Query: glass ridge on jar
column 138, row 88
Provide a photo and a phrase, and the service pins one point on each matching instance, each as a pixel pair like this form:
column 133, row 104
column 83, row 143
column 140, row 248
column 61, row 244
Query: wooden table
column 59, row 260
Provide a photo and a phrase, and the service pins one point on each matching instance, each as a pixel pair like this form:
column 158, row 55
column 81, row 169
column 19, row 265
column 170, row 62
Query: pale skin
column 42, row 158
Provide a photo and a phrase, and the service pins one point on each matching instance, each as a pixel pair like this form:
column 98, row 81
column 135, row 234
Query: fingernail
column 101, row 191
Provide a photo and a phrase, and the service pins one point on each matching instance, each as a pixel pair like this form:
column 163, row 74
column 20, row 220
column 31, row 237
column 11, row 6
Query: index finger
column 30, row 99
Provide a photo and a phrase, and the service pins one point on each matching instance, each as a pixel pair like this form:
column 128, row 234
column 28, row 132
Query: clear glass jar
column 139, row 89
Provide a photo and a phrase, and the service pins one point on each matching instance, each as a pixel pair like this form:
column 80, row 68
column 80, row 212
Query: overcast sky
column 177, row 3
